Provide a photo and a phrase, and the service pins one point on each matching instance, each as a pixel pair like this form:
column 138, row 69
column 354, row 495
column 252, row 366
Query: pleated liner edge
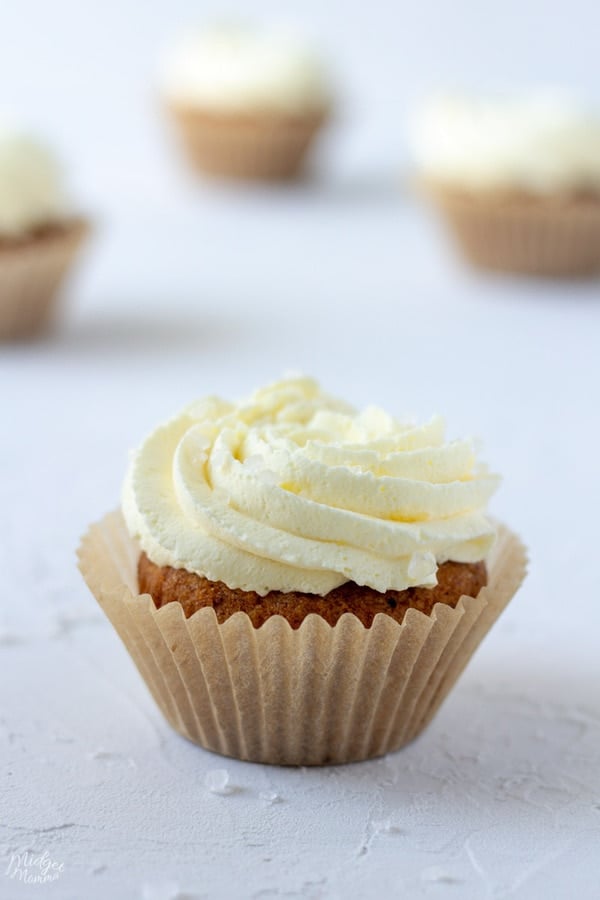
column 312, row 696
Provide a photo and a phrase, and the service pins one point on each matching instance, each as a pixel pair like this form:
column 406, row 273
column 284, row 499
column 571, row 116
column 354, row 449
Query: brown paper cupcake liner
column 32, row 271
column 555, row 237
column 262, row 147
column 311, row 696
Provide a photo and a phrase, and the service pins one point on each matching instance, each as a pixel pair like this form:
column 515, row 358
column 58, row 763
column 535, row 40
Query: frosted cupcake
column 39, row 235
column 248, row 103
column 517, row 180
column 299, row 583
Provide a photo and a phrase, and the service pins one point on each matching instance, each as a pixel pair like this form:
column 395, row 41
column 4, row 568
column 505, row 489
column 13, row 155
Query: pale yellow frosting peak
column 293, row 490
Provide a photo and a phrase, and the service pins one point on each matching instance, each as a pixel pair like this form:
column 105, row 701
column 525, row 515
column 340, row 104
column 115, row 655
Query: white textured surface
column 188, row 293
column 501, row 796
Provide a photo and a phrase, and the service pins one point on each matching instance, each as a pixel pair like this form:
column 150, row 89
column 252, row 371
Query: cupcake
column 247, row 103
column 39, row 235
column 299, row 583
column 517, row 180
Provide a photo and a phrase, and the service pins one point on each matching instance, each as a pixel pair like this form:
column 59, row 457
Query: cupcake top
column 32, row 192
column 294, row 490
column 238, row 69
column 538, row 143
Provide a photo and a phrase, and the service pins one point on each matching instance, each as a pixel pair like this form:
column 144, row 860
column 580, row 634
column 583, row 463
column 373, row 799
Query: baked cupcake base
column 260, row 146
column 168, row 585
column 32, row 270
column 313, row 695
column 556, row 236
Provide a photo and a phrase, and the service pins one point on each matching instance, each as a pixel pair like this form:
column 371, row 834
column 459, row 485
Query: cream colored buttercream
column 237, row 69
column 295, row 491
column 31, row 185
column 542, row 143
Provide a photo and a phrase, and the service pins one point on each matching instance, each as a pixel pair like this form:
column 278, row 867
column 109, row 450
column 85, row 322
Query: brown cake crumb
column 168, row 585
column 45, row 233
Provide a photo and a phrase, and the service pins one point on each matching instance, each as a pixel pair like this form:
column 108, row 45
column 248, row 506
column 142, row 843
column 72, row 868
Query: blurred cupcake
column 39, row 235
column 248, row 103
column 299, row 583
column 517, row 180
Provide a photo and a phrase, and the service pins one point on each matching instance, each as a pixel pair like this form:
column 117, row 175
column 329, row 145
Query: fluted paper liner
column 31, row 274
column 264, row 147
column 547, row 237
column 311, row 696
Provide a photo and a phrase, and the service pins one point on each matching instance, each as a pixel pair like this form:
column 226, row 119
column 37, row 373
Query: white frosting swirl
column 236, row 69
column 295, row 491
column 31, row 184
column 540, row 143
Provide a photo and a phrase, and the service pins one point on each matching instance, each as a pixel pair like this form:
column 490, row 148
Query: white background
column 85, row 72
column 188, row 289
